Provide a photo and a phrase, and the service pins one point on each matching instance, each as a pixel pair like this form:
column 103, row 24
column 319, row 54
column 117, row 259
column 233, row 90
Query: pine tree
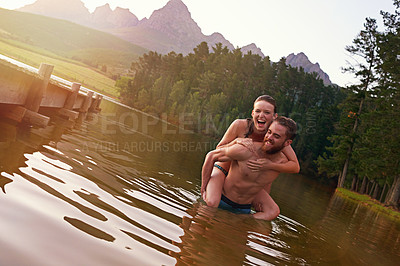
column 365, row 47
column 389, row 100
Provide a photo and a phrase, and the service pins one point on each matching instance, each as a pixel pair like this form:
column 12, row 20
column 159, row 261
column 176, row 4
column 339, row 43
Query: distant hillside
column 72, row 10
column 67, row 39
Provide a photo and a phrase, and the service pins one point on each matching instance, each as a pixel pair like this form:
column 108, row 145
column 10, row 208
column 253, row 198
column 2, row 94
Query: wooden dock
column 28, row 97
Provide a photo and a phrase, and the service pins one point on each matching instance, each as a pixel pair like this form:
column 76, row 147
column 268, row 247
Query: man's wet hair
column 291, row 127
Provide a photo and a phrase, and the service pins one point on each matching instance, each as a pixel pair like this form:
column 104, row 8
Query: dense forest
column 346, row 134
column 365, row 153
column 214, row 88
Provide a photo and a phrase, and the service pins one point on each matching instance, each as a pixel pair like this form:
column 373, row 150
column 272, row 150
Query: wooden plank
column 34, row 118
column 55, row 96
column 72, row 115
column 13, row 85
column 13, row 112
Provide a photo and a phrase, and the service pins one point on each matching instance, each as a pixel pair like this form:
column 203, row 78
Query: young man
column 245, row 130
column 243, row 186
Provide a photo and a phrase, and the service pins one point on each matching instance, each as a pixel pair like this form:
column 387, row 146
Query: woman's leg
column 213, row 185
column 265, row 206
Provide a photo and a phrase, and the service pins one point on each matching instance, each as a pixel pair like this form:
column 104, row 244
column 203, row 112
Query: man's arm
column 234, row 152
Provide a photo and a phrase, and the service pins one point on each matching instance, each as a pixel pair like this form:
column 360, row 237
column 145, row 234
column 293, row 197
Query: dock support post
column 69, row 103
column 86, row 104
column 35, row 97
column 95, row 106
column 83, row 111
column 38, row 88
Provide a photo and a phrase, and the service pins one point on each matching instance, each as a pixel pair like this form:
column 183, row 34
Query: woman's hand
column 248, row 143
column 258, row 165
column 258, row 207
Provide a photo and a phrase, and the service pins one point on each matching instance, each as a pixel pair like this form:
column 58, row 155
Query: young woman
column 263, row 113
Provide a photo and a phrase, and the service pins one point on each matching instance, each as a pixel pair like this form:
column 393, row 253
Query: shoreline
column 366, row 200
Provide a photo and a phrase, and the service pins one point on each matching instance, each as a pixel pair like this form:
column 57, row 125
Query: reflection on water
column 123, row 189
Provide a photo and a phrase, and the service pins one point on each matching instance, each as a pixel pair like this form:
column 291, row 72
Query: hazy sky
column 319, row 28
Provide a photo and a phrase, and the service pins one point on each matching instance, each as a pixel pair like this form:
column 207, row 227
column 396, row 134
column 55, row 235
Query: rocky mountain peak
column 103, row 18
column 73, row 10
column 176, row 5
column 175, row 22
column 103, row 9
column 100, row 12
column 122, row 17
column 253, row 49
column 301, row 60
column 174, row 19
column 217, row 37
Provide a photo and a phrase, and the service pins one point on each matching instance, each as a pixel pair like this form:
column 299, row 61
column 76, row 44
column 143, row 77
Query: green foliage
column 368, row 130
column 215, row 87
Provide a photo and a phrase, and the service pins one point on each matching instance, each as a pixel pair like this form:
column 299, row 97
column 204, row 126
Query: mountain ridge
column 170, row 28
column 104, row 17
column 301, row 60
column 173, row 21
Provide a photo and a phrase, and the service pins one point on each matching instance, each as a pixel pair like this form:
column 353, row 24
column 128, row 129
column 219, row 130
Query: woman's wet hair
column 268, row 99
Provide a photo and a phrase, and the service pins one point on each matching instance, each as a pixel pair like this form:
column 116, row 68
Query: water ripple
column 86, row 200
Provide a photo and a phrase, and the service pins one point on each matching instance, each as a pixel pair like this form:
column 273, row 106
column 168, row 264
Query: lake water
column 124, row 189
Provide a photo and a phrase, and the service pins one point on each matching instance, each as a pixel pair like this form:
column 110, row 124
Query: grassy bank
column 368, row 201
column 67, row 69
column 79, row 54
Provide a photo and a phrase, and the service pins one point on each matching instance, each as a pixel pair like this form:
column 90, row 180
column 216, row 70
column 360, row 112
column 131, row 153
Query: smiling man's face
column 275, row 139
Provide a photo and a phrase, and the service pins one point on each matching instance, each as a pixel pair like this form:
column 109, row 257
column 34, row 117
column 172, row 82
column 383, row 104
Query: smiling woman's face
column 263, row 114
